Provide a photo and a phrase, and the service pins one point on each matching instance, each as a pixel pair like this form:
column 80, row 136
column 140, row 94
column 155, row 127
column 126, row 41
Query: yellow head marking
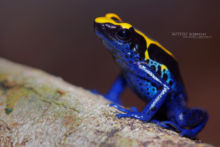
column 111, row 15
column 108, row 19
column 149, row 42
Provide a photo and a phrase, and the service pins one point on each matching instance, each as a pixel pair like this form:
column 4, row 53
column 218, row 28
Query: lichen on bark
column 38, row 109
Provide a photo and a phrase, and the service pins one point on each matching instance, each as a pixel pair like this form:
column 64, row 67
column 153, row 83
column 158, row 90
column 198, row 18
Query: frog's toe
column 161, row 124
column 136, row 115
column 94, row 91
column 120, row 115
column 167, row 124
column 133, row 109
column 119, row 108
column 133, row 113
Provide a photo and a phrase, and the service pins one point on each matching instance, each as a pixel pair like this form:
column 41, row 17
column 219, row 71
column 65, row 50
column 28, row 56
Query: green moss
column 51, row 95
column 15, row 91
column 3, row 76
column 47, row 92
column 5, row 84
column 8, row 110
column 2, row 86
column 13, row 95
column 127, row 142
column 3, row 80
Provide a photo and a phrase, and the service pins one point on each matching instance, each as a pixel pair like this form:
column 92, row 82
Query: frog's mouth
column 100, row 31
column 106, row 43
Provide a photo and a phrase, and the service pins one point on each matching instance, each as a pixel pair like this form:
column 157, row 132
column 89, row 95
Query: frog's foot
column 107, row 96
column 94, row 91
column 190, row 132
column 191, row 121
column 168, row 125
column 133, row 113
column 133, row 109
column 193, row 131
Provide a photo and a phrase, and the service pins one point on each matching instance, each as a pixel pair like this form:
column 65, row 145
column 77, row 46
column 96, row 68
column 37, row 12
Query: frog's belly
column 145, row 89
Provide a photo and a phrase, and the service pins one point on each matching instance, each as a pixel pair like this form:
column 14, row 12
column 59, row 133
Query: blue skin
column 148, row 85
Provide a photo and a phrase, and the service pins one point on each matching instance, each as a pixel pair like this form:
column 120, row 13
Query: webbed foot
column 191, row 132
column 94, row 91
column 168, row 125
column 133, row 113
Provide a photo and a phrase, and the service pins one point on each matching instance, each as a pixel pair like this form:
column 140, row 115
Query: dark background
column 58, row 37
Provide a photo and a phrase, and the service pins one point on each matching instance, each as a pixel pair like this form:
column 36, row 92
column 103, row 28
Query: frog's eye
column 123, row 35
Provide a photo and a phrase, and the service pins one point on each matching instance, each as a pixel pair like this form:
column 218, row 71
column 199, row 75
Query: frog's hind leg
column 188, row 122
column 168, row 125
column 193, row 119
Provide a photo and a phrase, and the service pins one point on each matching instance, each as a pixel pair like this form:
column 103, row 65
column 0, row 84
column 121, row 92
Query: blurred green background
column 58, row 37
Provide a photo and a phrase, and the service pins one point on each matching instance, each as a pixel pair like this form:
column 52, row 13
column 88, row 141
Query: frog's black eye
column 123, row 35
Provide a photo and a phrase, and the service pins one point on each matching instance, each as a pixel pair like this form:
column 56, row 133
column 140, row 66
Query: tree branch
column 38, row 109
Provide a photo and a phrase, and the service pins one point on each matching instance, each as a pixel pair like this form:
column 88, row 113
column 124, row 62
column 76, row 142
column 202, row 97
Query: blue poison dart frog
column 151, row 71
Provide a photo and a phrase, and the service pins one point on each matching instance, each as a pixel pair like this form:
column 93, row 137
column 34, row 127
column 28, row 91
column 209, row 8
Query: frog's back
column 167, row 66
column 164, row 65
column 148, row 89
column 152, row 72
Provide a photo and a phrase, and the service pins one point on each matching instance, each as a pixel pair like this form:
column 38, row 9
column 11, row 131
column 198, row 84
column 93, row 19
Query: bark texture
column 38, row 109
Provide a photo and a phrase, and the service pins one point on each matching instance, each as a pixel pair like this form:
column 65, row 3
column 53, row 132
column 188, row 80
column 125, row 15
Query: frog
column 152, row 72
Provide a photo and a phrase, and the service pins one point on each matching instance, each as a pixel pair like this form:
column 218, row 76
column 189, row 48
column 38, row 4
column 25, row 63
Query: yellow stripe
column 110, row 15
column 149, row 42
column 108, row 19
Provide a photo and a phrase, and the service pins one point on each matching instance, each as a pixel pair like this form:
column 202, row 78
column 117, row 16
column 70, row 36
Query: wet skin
column 151, row 71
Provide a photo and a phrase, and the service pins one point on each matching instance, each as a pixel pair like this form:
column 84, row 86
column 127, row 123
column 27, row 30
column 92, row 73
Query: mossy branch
column 38, row 109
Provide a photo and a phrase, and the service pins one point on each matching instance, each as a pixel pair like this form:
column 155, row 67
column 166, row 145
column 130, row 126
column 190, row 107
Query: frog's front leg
column 149, row 110
column 116, row 90
column 153, row 106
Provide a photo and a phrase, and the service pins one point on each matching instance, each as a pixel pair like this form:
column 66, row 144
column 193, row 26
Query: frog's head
column 119, row 37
